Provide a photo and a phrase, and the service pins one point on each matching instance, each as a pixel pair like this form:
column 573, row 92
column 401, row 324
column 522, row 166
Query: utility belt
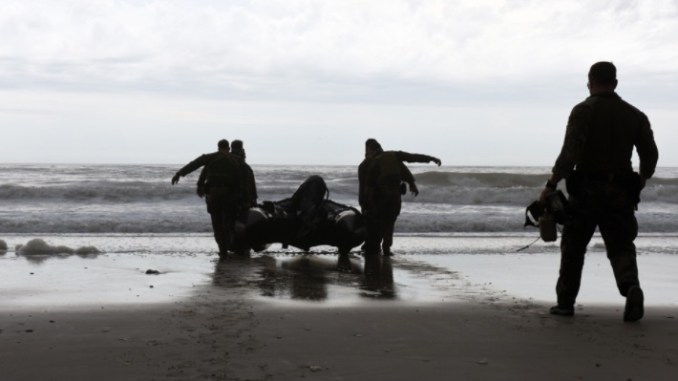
column 582, row 182
column 619, row 177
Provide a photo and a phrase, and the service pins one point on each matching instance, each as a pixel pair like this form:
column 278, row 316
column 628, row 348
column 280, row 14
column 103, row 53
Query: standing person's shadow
column 377, row 281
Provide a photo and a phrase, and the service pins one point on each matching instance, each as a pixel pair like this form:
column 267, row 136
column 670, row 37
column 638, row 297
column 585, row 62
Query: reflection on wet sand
column 308, row 277
column 234, row 271
column 377, row 281
column 40, row 258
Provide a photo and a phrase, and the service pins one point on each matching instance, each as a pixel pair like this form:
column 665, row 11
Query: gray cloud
column 232, row 43
column 460, row 74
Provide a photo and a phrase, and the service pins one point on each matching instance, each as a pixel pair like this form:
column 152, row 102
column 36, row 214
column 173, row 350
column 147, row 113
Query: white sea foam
column 38, row 246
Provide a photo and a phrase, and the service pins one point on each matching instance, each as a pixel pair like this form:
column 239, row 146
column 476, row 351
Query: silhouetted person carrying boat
column 248, row 195
column 381, row 179
column 222, row 190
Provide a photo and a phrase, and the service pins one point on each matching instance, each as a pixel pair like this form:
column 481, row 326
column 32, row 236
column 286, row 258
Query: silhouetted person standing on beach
column 380, row 176
column 603, row 188
column 222, row 189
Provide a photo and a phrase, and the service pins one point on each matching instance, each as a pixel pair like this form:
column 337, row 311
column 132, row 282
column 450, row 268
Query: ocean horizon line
column 179, row 165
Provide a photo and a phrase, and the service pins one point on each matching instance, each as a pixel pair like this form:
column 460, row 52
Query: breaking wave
column 140, row 199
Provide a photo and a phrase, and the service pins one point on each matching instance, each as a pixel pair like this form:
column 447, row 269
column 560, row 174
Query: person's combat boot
column 634, row 304
column 562, row 310
column 386, row 251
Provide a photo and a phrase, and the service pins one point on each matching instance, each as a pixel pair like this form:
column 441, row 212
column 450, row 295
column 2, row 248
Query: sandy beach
column 284, row 317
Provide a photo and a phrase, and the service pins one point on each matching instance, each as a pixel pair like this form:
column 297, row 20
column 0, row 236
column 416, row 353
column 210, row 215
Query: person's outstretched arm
column 416, row 158
column 200, row 161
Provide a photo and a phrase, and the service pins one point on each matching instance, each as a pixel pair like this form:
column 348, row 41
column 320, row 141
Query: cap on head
column 223, row 144
column 603, row 73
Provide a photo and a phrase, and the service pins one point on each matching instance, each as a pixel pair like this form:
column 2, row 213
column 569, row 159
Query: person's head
column 237, row 148
column 223, row 145
column 602, row 77
column 372, row 147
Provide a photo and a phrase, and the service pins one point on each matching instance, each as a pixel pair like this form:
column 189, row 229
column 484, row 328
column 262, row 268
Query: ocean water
column 459, row 238
column 81, row 199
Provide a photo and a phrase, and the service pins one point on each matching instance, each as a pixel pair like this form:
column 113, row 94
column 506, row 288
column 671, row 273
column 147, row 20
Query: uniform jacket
column 601, row 134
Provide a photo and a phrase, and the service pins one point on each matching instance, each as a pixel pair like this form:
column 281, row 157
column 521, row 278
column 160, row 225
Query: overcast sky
column 474, row 82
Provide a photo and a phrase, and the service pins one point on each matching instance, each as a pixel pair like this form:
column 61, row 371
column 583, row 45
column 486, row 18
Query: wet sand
column 280, row 317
